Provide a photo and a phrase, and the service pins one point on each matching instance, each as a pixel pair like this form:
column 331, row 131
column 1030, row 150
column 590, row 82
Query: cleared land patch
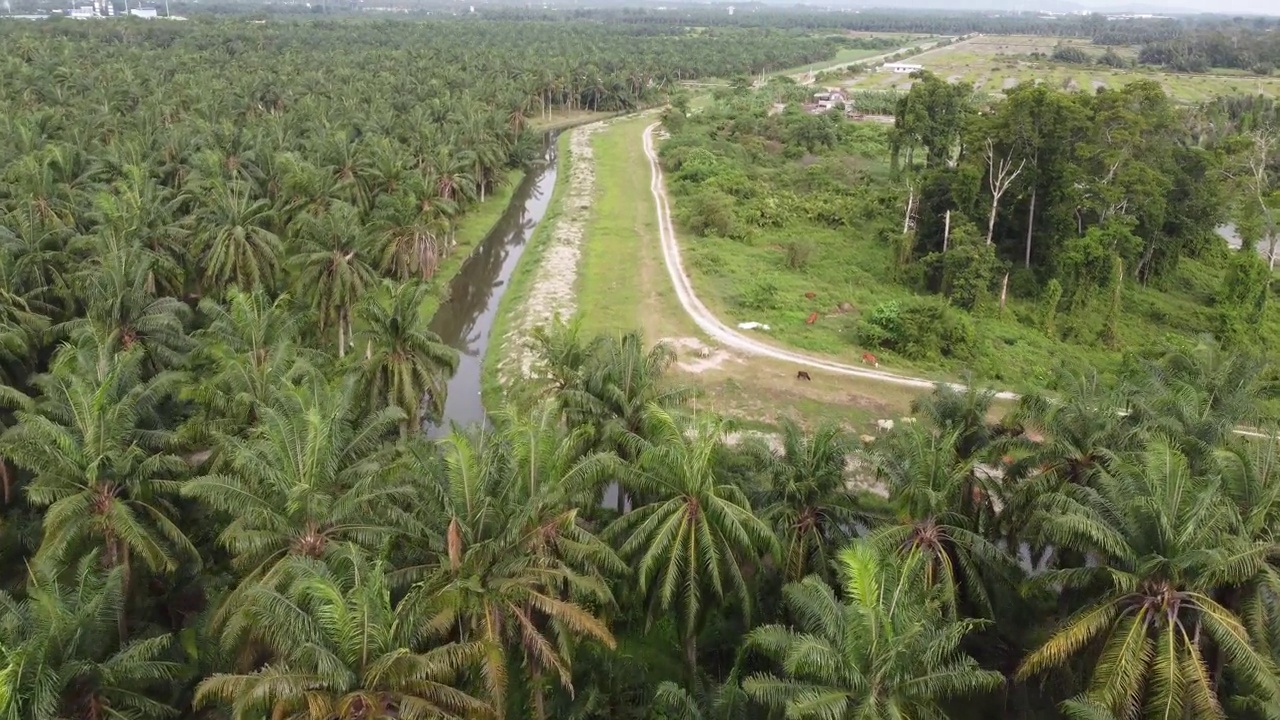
column 994, row 63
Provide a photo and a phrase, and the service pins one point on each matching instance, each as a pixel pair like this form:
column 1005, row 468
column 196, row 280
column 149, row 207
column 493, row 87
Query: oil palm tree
column 61, row 660
column 122, row 308
column 405, row 364
column 100, row 463
column 331, row 271
column 1250, row 474
column 943, row 506
column 314, row 472
column 342, row 649
column 888, row 652
column 521, row 572
column 962, row 413
column 806, row 500
column 249, row 349
column 622, row 382
column 234, row 241
column 1165, row 547
column 1199, row 397
column 688, row 545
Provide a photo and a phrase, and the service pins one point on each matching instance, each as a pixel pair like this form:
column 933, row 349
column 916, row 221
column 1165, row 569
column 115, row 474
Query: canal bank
column 519, row 277
column 465, row 320
column 517, row 311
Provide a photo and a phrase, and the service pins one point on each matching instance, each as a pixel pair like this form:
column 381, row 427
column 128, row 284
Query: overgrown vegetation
column 1109, row 202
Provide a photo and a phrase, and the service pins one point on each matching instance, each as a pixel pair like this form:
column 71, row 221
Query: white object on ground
column 752, row 326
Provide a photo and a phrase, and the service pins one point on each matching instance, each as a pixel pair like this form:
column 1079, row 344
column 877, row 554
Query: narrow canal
column 465, row 320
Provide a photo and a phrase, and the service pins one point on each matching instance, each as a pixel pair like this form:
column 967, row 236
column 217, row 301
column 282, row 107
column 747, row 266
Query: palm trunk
column 539, row 696
column 5, row 480
column 691, row 658
column 342, row 338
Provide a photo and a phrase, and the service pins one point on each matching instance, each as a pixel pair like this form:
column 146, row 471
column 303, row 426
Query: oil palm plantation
column 887, row 652
column 1164, row 546
column 341, row 648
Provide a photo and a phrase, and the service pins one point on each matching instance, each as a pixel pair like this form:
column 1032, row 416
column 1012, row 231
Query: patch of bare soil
column 696, row 357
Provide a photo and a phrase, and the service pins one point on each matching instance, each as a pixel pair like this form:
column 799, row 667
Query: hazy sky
column 1269, row 7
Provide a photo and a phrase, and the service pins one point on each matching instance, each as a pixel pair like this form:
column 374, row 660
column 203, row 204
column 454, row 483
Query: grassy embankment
column 623, row 285
column 522, row 279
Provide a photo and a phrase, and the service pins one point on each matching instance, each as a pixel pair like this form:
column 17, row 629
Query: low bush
column 919, row 328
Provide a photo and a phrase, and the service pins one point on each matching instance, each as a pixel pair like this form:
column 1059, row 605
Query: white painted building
column 146, row 13
column 901, row 67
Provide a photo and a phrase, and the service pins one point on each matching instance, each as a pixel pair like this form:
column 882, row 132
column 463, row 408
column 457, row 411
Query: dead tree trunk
column 999, row 177
column 1031, row 224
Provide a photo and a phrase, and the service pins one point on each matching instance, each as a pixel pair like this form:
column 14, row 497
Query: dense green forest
column 1257, row 51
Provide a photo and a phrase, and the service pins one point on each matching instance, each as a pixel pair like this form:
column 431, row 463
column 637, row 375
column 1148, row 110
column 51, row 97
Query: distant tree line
column 1236, row 48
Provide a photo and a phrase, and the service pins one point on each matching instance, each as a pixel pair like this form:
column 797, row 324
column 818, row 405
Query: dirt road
column 807, row 77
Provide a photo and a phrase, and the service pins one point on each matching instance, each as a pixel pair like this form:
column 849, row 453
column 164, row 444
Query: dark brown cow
column 802, row 375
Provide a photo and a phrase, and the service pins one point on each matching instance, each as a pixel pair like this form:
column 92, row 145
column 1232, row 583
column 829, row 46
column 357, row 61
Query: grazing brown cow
column 802, row 375
column 813, row 318
column 869, row 359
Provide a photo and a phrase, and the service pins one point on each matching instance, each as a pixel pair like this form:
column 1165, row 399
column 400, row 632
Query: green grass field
column 996, row 63
column 750, row 281
column 613, row 295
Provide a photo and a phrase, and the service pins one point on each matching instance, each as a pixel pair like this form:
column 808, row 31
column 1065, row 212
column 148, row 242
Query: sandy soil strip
column 552, row 293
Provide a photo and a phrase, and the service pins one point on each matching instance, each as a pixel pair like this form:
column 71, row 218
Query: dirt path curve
column 723, row 334
column 807, row 77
